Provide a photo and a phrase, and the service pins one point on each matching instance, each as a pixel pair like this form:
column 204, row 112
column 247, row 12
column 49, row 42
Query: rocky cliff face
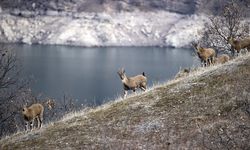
column 106, row 22
column 180, row 6
column 102, row 29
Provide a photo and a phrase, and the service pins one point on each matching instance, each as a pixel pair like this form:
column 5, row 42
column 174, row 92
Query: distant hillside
column 210, row 109
column 181, row 6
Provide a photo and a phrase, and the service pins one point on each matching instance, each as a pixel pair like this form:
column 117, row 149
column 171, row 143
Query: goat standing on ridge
column 32, row 113
column 206, row 55
column 132, row 83
column 35, row 112
column 237, row 45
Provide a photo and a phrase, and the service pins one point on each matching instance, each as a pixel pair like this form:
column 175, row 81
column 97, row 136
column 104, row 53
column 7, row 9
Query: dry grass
column 208, row 109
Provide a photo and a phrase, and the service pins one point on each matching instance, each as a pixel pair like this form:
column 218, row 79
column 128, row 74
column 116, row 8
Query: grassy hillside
column 209, row 109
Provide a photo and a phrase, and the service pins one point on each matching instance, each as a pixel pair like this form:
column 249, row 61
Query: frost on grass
column 148, row 126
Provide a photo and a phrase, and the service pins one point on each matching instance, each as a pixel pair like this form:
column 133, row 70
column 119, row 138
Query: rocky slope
column 103, row 29
column 209, row 109
column 181, row 6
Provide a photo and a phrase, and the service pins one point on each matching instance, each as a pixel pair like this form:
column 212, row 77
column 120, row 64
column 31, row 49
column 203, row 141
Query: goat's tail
column 143, row 73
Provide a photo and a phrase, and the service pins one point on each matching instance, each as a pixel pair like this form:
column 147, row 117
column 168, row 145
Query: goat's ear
column 25, row 105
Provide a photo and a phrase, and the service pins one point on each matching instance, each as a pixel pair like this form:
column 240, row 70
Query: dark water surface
column 90, row 74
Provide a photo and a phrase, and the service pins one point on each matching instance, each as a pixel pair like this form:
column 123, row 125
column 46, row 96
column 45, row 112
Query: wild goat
column 239, row 44
column 222, row 59
column 206, row 55
column 132, row 83
column 35, row 112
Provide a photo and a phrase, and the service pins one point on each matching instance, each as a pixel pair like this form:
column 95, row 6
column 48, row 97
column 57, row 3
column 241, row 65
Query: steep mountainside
column 209, row 109
column 180, row 6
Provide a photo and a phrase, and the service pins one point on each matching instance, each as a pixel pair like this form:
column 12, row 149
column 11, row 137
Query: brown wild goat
column 35, row 112
column 132, row 83
column 222, row 59
column 239, row 44
column 206, row 55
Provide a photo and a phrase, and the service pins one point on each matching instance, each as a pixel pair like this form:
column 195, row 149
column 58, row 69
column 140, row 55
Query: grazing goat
column 222, row 59
column 237, row 45
column 206, row 55
column 132, row 83
column 35, row 111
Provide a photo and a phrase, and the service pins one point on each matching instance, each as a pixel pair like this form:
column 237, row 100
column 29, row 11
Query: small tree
column 229, row 23
column 12, row 89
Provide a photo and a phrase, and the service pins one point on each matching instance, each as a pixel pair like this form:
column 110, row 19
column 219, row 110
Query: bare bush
column 12, row 88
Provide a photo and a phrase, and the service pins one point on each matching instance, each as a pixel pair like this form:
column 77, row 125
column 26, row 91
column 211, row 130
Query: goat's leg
column 210, row 61
column 32, row 124
column 38, row 122
column 125, row 93
column 203, row 63
column 213, row 60
column 27, row 125
column 40, row 117
column 143, row 88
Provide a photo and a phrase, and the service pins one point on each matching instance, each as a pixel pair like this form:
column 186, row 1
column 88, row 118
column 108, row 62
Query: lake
column 89, row 75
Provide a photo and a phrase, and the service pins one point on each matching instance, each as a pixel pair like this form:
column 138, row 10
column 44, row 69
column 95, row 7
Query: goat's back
column 36, row 109
column 245, row 42
column 207, row 52
column 139, row 78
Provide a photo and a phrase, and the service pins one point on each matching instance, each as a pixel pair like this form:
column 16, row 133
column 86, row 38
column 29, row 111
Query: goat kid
column 222, row 59
column 132, row 83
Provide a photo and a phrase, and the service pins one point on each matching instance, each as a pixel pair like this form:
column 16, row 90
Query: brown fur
column 240, row 44
column 222, row 59
column 132, row 83
column 207, row 55
column 35, row 111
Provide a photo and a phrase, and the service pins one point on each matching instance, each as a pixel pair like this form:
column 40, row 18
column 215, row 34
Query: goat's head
column 24, row 110
column 231, row 40
column 197, row 46
column 121, row 73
